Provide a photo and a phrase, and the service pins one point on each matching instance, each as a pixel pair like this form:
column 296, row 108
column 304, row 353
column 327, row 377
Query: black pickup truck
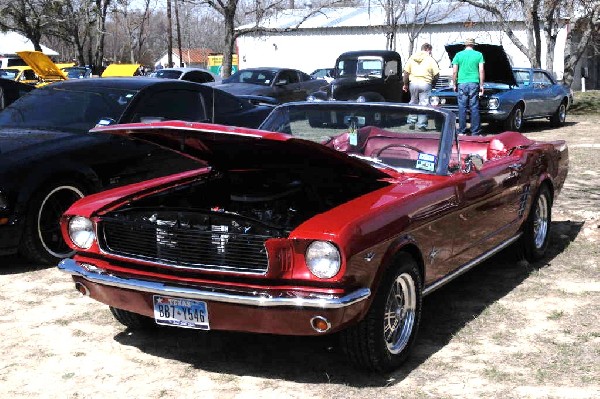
column 365, row 76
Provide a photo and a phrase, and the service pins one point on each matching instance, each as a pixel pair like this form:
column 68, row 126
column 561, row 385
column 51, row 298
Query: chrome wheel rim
column 562, row 113
column 399, row 313
column 52, row 207
column 540, row 222
column 518, row 118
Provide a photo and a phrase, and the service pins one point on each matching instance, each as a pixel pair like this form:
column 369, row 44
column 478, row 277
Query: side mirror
column 473, row 162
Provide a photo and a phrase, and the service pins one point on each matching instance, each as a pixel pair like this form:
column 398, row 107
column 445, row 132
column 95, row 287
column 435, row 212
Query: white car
column 197, row 75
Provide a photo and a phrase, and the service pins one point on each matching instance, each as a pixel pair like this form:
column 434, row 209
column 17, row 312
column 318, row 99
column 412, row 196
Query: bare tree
column 585, row 23
column 547, row 17
column 134, row 20
column 413, row 18
column 31, row 18
column 259, row 11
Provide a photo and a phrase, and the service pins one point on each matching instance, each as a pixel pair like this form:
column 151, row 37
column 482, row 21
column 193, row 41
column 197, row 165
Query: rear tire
column 559, row 117
column 132, row 320
column 535, row 238
column 383, row 339
column 42, row 239
column 514, row 122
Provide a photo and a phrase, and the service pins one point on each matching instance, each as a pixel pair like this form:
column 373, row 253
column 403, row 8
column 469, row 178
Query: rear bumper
column 229, row 309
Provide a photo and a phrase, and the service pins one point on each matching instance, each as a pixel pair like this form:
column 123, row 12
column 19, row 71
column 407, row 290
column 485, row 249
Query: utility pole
column 170, row 35
column 179, row 34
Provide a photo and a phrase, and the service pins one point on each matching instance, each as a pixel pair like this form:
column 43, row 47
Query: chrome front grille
column 198, row 242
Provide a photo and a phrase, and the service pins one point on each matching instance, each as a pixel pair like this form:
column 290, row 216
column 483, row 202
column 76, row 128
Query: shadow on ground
column 533, row 126
column 320, row 360
column 14, row 264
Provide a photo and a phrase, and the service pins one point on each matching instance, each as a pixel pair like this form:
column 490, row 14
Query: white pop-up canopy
column 11, row 42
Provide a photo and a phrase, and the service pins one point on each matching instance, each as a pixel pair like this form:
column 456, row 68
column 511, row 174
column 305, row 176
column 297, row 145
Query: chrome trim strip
column 468, row 266
column 254, row 298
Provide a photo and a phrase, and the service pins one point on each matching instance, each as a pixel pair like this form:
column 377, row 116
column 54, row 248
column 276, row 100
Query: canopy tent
column 11, row 42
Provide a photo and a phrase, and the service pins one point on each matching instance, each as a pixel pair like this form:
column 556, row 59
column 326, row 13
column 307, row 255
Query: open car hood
column 497, row 66
column 42, row 65
column 120, row 70
column 227, row 148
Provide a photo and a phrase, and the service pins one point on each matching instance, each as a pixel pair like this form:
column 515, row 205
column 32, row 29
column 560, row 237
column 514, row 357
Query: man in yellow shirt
column 420, row 74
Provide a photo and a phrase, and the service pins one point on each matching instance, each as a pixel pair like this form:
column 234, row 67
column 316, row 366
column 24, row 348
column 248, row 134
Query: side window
column 288, row 76
column 198, row 77
column 185, row 105
column 541, row 78
column 228, row 104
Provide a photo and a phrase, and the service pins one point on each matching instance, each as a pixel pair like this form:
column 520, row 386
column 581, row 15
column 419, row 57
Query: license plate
column 178, row 312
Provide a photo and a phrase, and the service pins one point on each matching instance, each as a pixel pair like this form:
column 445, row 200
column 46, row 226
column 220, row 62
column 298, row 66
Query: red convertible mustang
column 335, row 217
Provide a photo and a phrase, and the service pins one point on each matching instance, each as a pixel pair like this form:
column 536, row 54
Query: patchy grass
column 586, row 103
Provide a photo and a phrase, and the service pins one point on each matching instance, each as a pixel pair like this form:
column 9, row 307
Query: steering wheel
column 410, row 147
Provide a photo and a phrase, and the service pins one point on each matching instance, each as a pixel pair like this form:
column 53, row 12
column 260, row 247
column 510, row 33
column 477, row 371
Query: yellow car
column 47, row 72
column 121, row 70
column 21, row 74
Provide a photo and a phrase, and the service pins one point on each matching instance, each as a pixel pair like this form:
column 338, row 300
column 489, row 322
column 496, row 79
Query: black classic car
column 511, row 95
column 273, row 85
column 49, row 159
column 365, row 76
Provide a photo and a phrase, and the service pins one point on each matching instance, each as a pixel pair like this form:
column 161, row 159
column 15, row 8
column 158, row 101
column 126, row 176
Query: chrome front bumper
column 250, row 298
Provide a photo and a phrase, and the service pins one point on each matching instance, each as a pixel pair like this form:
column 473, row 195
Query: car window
column 522, row 78
column 287, row 76
column 168, row 74
column 9, row 73
column 176, row 104
column 228, row 104
column 198, row 77
column 70, row 110
column 304, row 76
column 262, row 77
column 542, row 78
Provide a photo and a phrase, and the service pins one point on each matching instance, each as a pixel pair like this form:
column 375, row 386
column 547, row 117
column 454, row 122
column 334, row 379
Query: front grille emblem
column 220, row 240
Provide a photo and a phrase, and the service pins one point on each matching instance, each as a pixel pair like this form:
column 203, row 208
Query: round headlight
column 493, row 103
column 361, row 99
column 323, row 259
column 434, row 100
column 81, row 232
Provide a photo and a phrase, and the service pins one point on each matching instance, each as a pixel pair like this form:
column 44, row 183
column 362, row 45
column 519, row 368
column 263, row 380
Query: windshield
column 168, row 74
column 9, row 73
column 263, row 77
column 66, row 109
column 365, row 67
column 402, row 138
column 77, row 72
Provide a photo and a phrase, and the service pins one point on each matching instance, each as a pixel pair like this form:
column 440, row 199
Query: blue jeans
column 468, row 97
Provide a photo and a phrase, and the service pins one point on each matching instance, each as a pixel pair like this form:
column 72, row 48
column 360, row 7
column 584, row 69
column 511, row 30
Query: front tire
column 535, row 238
column 132, row 320
column 383, row 339
column 514, row 122
column 42, row 239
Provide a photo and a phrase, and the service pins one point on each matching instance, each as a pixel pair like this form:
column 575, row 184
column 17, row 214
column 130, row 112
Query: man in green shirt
column 468, row 77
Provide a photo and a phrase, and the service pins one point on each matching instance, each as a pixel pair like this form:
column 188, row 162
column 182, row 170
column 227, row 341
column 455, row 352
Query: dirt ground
column 506, row 329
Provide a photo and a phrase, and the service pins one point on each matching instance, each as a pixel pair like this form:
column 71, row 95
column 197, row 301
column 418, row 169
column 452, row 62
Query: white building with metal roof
column 315, row 41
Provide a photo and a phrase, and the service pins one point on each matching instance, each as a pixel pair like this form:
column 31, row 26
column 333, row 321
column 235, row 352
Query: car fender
column 52, row 172
column 405, row 243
